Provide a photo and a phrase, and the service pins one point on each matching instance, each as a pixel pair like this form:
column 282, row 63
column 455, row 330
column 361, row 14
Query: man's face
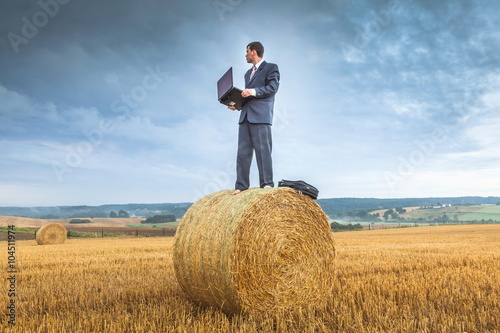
column 251, row 55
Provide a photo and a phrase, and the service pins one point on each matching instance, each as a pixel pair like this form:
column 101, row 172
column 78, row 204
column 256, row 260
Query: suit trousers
column 254, row 137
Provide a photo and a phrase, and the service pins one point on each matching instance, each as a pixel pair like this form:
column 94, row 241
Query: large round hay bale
column 51, row 234
column 259, row 251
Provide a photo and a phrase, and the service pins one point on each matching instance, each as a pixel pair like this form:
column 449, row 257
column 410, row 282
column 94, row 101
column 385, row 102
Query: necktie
column 254, row 69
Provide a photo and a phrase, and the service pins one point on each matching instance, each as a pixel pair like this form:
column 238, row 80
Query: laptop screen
column 225, row 83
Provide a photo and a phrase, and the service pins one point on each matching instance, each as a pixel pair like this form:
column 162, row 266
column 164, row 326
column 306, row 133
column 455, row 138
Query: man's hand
column 246, row 93
column 231, row 108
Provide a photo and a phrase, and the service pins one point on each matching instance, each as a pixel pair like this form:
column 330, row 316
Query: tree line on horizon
column 333, row 207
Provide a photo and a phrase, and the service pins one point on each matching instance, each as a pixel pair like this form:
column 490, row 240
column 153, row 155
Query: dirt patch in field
column 19, row 236
column 100, row 231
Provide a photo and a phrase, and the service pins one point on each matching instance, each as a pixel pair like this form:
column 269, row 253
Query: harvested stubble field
column 425, row 279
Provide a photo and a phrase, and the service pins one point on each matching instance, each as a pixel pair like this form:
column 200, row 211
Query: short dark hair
column 257, row 47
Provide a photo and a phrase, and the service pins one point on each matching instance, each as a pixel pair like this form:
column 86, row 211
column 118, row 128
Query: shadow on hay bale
column 51, row 234
column 259, row 251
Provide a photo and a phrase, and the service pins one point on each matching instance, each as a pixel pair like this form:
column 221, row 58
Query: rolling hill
column 478, row 213
column 25, row 222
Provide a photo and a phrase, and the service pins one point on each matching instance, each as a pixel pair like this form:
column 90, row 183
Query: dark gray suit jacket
column 266, row 80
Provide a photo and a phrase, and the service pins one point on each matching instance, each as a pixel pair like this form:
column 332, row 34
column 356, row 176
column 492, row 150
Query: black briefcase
column 301, row 186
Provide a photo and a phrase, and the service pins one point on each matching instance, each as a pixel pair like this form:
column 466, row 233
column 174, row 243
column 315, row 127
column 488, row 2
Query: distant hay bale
column 259, row 251
column 51, row 234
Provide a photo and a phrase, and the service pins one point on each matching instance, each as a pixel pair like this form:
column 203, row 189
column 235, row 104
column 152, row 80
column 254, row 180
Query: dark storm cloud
column 89, row 85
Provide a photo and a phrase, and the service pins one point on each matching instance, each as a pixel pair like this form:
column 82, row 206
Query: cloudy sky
column 115, row 101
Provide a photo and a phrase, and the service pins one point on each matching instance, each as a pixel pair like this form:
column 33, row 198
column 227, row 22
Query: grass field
column 463, row 213
column 485, row 213
column 425, row 279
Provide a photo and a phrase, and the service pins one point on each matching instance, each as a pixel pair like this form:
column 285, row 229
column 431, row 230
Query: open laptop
column 227, row 93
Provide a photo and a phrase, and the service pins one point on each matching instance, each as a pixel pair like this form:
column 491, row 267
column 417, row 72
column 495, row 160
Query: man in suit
column 254, row 134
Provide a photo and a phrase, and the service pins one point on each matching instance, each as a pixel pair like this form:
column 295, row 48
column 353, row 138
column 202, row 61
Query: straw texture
column 51, row 234
column 259, row 251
